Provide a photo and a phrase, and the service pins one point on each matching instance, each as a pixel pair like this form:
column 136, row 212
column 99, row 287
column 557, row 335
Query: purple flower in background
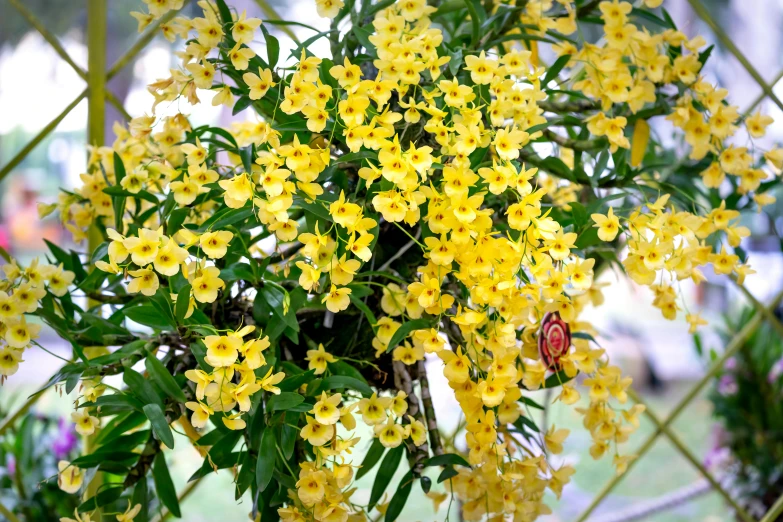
column 719, row 453
column 11, row 465
column 727, row 385
column 776, row 371
column 65, row 440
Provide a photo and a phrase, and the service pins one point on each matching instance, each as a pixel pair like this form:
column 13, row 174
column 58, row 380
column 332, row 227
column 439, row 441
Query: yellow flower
column 757, row 124
column 390, row 434
column 373, row 409
column 481, row 68
column 201, row 379
column 129, row 513
column 169, row 258
column 259, row 83
column 608, row 226
column 723, row 263
column 252, row 352
column 242, row 393
column 560, row 245
column 554, row 439
column 85, row 423
column 342, row 271
column 238, row 190
column 318, row 359
column 233, row 422
column 222, row 350
column 325, row 409
column 347, row 75
column 144, row 248
column 244, row 28
column 328, row 8
column 69, row 478
column 60, row 280
column 144, row 281
column 316, row 433
column 185, row 191
column 337, row 299
column 399, row 405
column 215, row 244
column 9, row 361
column 203, row 75
column 269, row 381
column 311, row 485
column 206, row 285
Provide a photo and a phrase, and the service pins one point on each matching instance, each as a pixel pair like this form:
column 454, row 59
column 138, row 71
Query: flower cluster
column 21, row 291
column 436, row 190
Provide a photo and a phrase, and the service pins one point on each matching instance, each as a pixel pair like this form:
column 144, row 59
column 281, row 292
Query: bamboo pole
column 774, row 511
column 96, row 119
column 705, row 15
column 680, row 445
column 7, row 513
column 48, row 36
column 140, row 44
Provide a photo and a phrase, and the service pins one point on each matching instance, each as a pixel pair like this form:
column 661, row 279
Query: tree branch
column 429, row 410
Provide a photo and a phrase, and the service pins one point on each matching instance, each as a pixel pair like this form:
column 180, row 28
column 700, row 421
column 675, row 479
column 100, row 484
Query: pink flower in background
column 776, row 371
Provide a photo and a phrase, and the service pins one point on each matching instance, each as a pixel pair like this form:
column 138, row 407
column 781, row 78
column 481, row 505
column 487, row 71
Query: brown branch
column 577, row 145
column 402, row 381
column 569, row 106
column 429, row 410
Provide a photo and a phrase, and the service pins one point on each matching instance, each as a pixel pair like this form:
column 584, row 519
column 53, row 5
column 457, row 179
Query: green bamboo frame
column 97, row 76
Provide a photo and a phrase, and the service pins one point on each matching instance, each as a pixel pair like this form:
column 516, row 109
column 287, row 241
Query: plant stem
column 429, row 410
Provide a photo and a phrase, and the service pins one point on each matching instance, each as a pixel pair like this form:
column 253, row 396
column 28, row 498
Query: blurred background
column 664, row 359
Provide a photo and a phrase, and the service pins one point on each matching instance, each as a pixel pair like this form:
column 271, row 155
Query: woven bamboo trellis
column 97, row 76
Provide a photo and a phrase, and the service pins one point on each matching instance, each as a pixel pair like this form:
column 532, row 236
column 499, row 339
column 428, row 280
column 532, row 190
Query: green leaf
column 176, row 218
column 523, row 421
column 284, row 401
column 227, row 218
column 118, row 202
column 475, row 21
column 583, row 335
column 272, row 48
column 343, row 381
column 141, row 387
column 554, row 69
column 159, row 424
column 147, row 315
column 95, row 459
column 405, row 330
column 447, row 459
column 103, row 498
column 400, row 497
column 385, row 473
column 365, row 309
column 372, row 457
column 275, row 298
column 242, row 103
column 183, row 303
column 447, row 473
column 558, row 379
column 164, row 485
column 161, row 375
column 115, row 190
column 265, row 467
